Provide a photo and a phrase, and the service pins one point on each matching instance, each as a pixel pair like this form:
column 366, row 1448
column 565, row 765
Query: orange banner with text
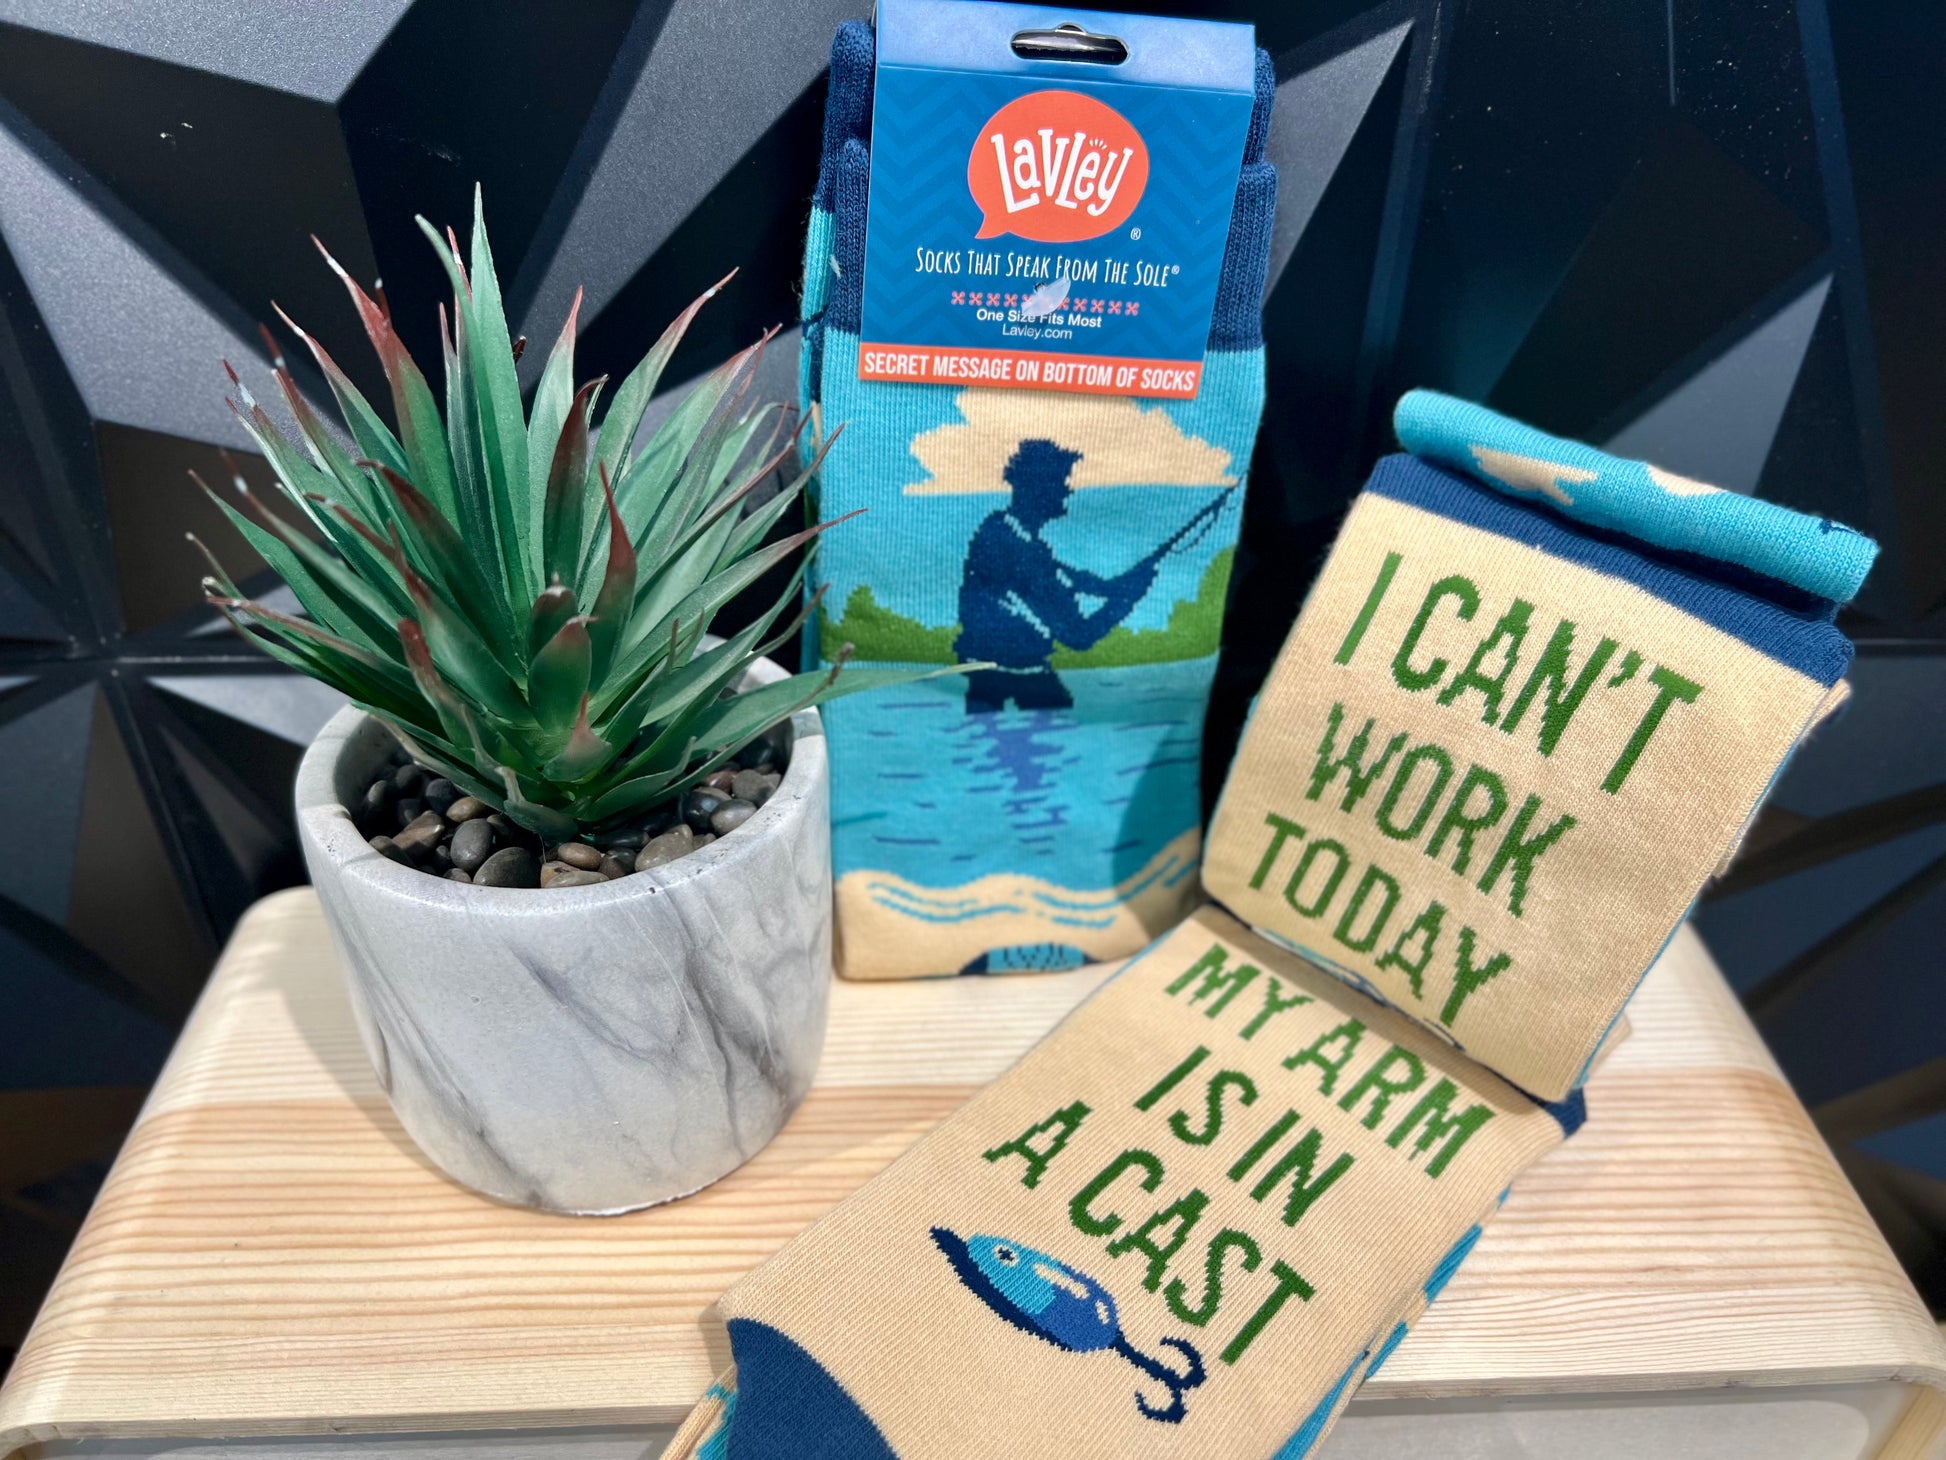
column 1030, row 370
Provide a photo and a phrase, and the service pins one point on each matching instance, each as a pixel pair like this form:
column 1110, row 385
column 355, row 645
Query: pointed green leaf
column 710, row 460
column 470, row 486
column 552, row 607
column 495, row 420
column 451, row 568
column 567, row 489
column 625, row 411
column 349, row 665
column 368, row 430
column 645, row 489
column 421, row 430
column 331, row 594
column 462, row 656
column 733, row 723
column 348, row 481
column 753, row 529
column 701, row 603
column 584, row 755
column 549, row 413
column 664, row 696
column 557, row 680
column 616, row 601
column 456, row 719
column 503, row 426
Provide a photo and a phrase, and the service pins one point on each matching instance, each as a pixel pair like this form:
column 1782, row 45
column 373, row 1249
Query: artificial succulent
column 521, row 598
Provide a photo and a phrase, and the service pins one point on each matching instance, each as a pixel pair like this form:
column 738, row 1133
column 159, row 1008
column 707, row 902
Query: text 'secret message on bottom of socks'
column 1045, row 811
column 1174, row 1228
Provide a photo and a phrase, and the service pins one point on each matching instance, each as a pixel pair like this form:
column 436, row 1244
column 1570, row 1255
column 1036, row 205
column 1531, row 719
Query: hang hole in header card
column 1069, row 42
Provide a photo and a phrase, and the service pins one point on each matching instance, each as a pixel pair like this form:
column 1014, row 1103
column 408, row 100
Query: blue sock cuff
column 851, row 190
column 1259, row 134
column 1756, row 611
column 1570, row 1112
column 789, row 1407
column 1632, row 498
column 848, row 103
column 1237, row 322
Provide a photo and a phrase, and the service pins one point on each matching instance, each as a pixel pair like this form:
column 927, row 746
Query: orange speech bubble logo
column 1056, row 167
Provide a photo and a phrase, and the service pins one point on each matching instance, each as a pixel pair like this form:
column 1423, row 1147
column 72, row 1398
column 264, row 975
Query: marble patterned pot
column 589, row 1049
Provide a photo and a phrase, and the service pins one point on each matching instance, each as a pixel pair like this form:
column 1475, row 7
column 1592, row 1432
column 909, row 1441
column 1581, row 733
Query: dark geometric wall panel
column 1703, row 231
column 1720, row 423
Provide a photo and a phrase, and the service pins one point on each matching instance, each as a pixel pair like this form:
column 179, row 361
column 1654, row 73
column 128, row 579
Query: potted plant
column 574, row 852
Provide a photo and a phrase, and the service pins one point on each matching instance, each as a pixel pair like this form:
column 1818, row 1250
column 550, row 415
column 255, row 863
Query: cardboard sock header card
column 1526, row 713
column 1046, row 220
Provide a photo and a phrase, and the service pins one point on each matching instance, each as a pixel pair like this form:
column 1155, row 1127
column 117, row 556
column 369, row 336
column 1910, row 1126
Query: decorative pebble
column 509, row 867
column 453, row 874
column 560, row 874
column 631, row 840
column 612, row 867
column 442, row 857
column 377, row 797
column 720, row 780
column 756, row 787
column 409, row 809
column 661, row 820
column 666, row 848
column 408, row 778
column 578, row 854
column 472, row 845
column 757, row 754
column 467, row 808
column 705, row 839
column 386, row 847
column 730, row 815
column 440, row 794
column 417, row 837
column 699, row 806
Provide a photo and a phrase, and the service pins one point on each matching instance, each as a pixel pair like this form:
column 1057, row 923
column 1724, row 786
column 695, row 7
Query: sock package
column 1532, row 702
column 1044, row 812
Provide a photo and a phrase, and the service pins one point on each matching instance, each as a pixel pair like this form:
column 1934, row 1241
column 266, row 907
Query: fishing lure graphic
column 1069, row 1309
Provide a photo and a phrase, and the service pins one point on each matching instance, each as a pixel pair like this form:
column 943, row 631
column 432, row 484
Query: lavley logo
column 1056, row 167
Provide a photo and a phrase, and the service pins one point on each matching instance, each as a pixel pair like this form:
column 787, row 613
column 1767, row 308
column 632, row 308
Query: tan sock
column 1185, row 1223
column 1503, row 748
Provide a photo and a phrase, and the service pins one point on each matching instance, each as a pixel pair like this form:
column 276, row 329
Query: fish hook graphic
column 1177, row 1384
column 1065, row 1307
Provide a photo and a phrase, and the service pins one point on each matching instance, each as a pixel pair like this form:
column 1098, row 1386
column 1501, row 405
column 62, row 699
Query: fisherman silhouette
column 1017, row 599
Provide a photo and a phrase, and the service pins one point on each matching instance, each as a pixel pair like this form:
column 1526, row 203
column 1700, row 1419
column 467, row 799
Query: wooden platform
column 271, row 1257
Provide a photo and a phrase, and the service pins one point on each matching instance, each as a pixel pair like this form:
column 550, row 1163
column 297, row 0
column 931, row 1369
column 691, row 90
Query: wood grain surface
column 270, row 1255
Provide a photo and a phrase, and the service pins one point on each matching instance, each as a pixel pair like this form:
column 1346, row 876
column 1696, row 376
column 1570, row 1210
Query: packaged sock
column 1046, row 811
column 1533, row 701
column 1187, row 1223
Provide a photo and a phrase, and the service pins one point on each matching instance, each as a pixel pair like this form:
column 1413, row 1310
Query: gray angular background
column 1709, row 234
